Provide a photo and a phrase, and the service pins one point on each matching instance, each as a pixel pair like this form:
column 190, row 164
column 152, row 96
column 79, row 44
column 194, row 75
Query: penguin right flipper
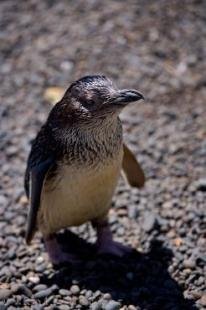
column 132, row 169
column 37, row 175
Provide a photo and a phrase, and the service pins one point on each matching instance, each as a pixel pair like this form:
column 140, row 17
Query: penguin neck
column 92, row 142
column 98, row 129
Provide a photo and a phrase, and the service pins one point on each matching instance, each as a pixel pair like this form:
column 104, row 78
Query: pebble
column 2, row 306
column 112, row 305
column 189, row 263
column 64, row 307
column 74, row 289
column 34, row 279
column 96, row 306
column 83, row 301
column 148, row 221
column 3, row 200
column 38, row 307
column 202, row 300
column 40, row 287
column 196, row 294
column 5, row 293
column 44, row 293
column 97, row 294
column 10, row 301
column 88, row 294
column 201, row 185
column 133, row 212
column 64, row 292
column 107, row 296
column 131, row 307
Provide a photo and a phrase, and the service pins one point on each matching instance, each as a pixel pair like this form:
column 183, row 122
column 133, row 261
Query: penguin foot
column 56, row 255
column 113, row 248
column 105, row 243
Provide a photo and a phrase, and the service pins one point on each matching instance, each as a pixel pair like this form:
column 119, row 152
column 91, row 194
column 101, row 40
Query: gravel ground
column 158, row 47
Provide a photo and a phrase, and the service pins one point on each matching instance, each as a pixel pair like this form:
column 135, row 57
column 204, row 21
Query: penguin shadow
column 139, row 279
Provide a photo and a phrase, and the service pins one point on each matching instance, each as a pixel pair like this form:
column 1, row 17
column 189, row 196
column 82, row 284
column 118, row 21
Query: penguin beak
column 125, row 96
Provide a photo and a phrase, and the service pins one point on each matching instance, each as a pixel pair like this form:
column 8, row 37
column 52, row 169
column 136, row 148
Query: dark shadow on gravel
column 140, row 279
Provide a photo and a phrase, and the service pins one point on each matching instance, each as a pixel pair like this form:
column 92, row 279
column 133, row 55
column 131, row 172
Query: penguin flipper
column 37, row 176
column 132, row 169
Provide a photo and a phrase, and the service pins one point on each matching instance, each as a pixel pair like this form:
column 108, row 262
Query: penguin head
column 91, row 99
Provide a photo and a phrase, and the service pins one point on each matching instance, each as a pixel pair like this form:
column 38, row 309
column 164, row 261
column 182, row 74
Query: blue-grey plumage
column 76, row 159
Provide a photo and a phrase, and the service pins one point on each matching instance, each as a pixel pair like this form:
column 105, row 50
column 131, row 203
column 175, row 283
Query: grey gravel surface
column 158, row 47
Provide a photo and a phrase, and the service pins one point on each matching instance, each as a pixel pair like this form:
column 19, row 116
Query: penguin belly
column 77, row 195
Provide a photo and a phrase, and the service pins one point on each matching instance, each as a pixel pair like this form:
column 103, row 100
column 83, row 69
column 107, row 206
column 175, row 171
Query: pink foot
column 56, row 254
column 105, row 242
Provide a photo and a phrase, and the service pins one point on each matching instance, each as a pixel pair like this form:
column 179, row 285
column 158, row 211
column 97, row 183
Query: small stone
column 64, row 292
column 131, row 307
column 25, row 291
column 39, row 260
column 202, row 300
column 196, row 294
column 5, row 293
column 178, row 242
column 11, row 150
column 88, row 294
column 200, row 281
column 49, row 300
column 10, row 301
column 43, row 294
column 107, row 296
column 3, row 200
column 34, row 279
column 112, row 305
column 37, row 307
column 149, row 221
column 189, row 263
column 64, row 307
column 66, row 65
column 2, row 306
column 97, row 294
column 23, row 200
column 133, row 212
column 40, row 287
column 201, row 185
column 40, row 268
column 83, row 301
column 11, row 254
column 96, row 306
column 75, row 289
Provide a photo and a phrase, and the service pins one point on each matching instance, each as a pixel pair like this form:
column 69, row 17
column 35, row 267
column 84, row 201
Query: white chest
column 78, row 195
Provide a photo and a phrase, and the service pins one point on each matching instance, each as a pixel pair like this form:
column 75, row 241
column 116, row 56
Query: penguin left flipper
column 37, row 176
column 132, row 169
